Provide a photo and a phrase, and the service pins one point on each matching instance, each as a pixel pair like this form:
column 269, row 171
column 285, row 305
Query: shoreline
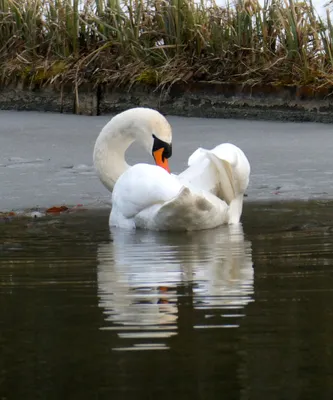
column 89, row 211
column 204, row 100
column 103, row 209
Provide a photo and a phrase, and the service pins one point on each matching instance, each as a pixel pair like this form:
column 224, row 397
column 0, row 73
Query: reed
column 160, row 42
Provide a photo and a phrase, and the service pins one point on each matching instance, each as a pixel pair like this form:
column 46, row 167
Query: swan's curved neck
column 138, row 124
column 109, row 157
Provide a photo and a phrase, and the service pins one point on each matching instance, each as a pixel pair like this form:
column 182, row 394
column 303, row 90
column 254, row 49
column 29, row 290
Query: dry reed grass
column 161, row 42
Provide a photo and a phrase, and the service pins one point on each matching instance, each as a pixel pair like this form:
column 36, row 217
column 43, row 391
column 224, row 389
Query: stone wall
column 194, row 100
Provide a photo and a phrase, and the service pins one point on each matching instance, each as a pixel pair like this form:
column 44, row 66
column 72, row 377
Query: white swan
column 207, row 194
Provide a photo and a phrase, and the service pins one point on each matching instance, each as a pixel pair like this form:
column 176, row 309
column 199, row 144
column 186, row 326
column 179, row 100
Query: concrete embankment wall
column 193, row 100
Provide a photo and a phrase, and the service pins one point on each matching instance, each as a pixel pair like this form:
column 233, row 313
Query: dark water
column 224, row 314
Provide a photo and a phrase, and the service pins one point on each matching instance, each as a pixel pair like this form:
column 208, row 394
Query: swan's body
column 207, row 194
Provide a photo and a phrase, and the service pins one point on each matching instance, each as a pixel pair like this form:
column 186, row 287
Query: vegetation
column 160, row 42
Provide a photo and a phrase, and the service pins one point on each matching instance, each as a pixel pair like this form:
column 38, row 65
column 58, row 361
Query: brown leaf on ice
column 56, row 209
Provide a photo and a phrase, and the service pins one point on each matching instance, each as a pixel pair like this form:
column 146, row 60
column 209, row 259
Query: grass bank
column 159, row 43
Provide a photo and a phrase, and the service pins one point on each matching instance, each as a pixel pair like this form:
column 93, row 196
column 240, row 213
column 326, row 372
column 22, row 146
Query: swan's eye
column 160, row 144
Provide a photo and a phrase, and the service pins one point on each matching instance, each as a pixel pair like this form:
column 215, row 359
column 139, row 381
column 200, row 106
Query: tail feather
column 193, row 211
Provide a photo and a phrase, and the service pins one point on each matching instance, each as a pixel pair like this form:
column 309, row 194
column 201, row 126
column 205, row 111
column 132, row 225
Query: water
column 233, row 313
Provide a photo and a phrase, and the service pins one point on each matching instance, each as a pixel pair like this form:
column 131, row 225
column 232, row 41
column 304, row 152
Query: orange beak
column 159, row 159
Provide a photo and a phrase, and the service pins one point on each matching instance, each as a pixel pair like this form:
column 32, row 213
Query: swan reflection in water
column 143, row 274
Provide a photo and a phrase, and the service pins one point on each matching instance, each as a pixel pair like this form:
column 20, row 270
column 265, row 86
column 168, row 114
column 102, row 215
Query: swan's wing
column 236, row 165
column 201, row 174
column 223, row 171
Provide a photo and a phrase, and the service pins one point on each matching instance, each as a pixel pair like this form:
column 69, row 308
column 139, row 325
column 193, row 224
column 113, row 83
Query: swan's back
column 146, row 196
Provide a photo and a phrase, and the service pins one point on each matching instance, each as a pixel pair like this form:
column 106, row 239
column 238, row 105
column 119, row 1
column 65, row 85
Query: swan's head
column 157, row 137
column 161, row 152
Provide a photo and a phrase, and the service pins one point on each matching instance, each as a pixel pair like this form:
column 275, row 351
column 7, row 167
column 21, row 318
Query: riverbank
column 205, row 100
column 248, row 59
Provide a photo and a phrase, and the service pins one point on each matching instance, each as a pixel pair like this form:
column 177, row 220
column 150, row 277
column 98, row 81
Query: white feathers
column 207, row 194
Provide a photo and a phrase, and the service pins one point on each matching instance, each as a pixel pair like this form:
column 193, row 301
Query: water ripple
column 144, row 278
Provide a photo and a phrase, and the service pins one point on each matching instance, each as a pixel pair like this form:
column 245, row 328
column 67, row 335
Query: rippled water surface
column 231, row 313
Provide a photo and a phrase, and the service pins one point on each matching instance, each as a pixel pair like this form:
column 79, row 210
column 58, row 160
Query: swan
column 209, row 193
